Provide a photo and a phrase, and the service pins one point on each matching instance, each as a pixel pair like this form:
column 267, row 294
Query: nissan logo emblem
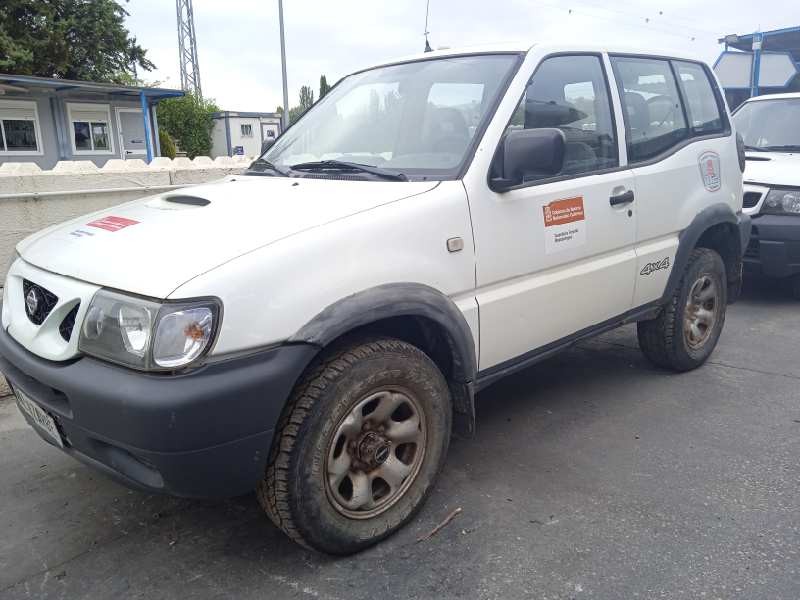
column 31, row 302
column 381, row 454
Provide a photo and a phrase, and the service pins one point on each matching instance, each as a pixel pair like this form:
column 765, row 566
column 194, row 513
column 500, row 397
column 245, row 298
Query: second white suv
column 316, row 327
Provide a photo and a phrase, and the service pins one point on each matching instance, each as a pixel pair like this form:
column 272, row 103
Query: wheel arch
column 718, row 228
column 417, row 314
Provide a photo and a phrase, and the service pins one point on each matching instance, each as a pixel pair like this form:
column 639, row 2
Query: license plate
column 46, row 423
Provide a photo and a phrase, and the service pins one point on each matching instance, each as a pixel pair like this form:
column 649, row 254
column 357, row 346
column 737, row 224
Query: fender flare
column 406, row 300
column 716, row 214
column 395, row 300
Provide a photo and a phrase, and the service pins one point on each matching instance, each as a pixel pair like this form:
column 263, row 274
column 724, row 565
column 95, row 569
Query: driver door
column 556, row 255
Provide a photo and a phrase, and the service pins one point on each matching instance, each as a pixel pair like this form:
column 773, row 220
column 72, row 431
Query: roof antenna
column 427, row 9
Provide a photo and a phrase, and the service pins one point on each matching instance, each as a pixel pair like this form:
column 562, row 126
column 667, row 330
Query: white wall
column 252, row 143
column 219, row 141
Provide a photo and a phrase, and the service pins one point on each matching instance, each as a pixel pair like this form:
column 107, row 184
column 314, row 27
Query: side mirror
column 527, row 153
column 740, row 151
column 267, row 144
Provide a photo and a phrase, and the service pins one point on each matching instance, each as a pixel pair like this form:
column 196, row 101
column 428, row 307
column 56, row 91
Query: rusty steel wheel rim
column 702, row 312
column 375, row 453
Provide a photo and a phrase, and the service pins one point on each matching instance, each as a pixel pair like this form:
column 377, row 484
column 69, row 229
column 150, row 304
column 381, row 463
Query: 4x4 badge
column 652, row 267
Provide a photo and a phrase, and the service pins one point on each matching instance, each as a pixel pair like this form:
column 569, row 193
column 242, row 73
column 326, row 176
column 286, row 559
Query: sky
column 239, row 44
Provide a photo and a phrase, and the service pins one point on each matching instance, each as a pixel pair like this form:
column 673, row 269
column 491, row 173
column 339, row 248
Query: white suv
column 316, row 327
column 770, row 126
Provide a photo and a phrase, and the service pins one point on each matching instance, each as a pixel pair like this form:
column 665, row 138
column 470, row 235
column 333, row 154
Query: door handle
column 623, row 198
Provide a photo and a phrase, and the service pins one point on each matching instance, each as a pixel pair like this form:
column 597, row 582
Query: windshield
column 770, row 124
column 418, row 119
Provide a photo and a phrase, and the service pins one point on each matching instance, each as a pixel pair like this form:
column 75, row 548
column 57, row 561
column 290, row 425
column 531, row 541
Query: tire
column 353, row 413
column 686, row 331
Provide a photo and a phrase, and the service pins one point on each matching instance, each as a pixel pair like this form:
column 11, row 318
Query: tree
column 323, row 86
column 188, row 121
column 306, row 101
column 70, row 39
column 167, row 145
column 306, row 97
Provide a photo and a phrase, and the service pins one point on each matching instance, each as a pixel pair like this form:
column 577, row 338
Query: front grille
column 751, row 199
column 42, row 301
column 68, row 324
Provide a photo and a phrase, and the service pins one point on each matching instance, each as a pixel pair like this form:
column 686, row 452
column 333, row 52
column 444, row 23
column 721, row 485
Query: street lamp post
column 285, row 116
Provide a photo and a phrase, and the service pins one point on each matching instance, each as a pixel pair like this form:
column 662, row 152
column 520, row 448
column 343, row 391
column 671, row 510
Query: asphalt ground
column 592, row 475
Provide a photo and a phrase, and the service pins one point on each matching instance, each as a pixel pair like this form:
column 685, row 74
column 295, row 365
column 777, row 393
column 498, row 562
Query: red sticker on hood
column 112, row 223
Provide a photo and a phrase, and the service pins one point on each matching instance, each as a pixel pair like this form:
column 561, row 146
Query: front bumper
column 774, row 247
column 205, row 433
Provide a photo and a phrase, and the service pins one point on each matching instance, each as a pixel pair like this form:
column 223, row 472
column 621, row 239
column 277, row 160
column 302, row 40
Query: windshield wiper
column 755, row 148
column 260, row 166
column 782, row 148
column 340, row 165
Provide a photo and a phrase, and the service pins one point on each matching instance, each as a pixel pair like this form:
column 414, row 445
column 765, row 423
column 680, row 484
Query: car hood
column 153, row 245
column 773, row 168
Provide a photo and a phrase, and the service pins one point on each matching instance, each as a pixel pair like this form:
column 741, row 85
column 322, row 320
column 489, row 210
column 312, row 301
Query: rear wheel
column 685, row 333
column 360, row 443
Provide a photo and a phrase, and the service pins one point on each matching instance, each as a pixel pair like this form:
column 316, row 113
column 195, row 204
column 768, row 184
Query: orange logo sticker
column 561, row 212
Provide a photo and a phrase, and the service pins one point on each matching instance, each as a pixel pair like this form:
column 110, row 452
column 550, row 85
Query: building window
column 247, row 130
column 90, row 128
column 19, row 128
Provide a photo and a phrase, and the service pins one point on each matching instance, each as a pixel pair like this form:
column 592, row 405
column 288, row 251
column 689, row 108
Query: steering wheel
column 447, row 143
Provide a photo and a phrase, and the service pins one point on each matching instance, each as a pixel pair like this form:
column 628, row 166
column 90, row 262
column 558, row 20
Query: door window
column 570, row 93
column 701, row 102
column 654, row 118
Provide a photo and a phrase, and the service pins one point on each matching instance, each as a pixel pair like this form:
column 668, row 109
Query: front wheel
column 686, row 331
column 359, row 445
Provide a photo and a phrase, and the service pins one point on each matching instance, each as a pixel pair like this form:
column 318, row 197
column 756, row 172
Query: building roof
column 238, row 113
column 31, row 82
column 777, row 40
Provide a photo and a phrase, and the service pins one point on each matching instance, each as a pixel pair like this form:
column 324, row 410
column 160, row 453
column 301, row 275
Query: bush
column 166, row 144
column 188, row 121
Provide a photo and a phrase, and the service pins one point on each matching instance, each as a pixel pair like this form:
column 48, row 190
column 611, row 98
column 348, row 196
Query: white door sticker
column 709, row 170
column 564, row 224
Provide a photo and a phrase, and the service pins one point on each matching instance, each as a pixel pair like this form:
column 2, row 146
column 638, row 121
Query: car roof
column 783, row 96
column 546, row 48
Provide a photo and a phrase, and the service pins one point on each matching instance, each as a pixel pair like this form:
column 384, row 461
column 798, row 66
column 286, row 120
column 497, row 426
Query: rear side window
column 701, row 103
column 654, row 118
column 571, row 94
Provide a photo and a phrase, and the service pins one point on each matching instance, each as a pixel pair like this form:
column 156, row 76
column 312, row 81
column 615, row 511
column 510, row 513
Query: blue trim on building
column 755, row 72
column 148, row 141
column 89, row 86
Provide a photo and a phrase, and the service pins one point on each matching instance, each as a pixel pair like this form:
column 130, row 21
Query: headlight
column 782, row 202
column 145, row 334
